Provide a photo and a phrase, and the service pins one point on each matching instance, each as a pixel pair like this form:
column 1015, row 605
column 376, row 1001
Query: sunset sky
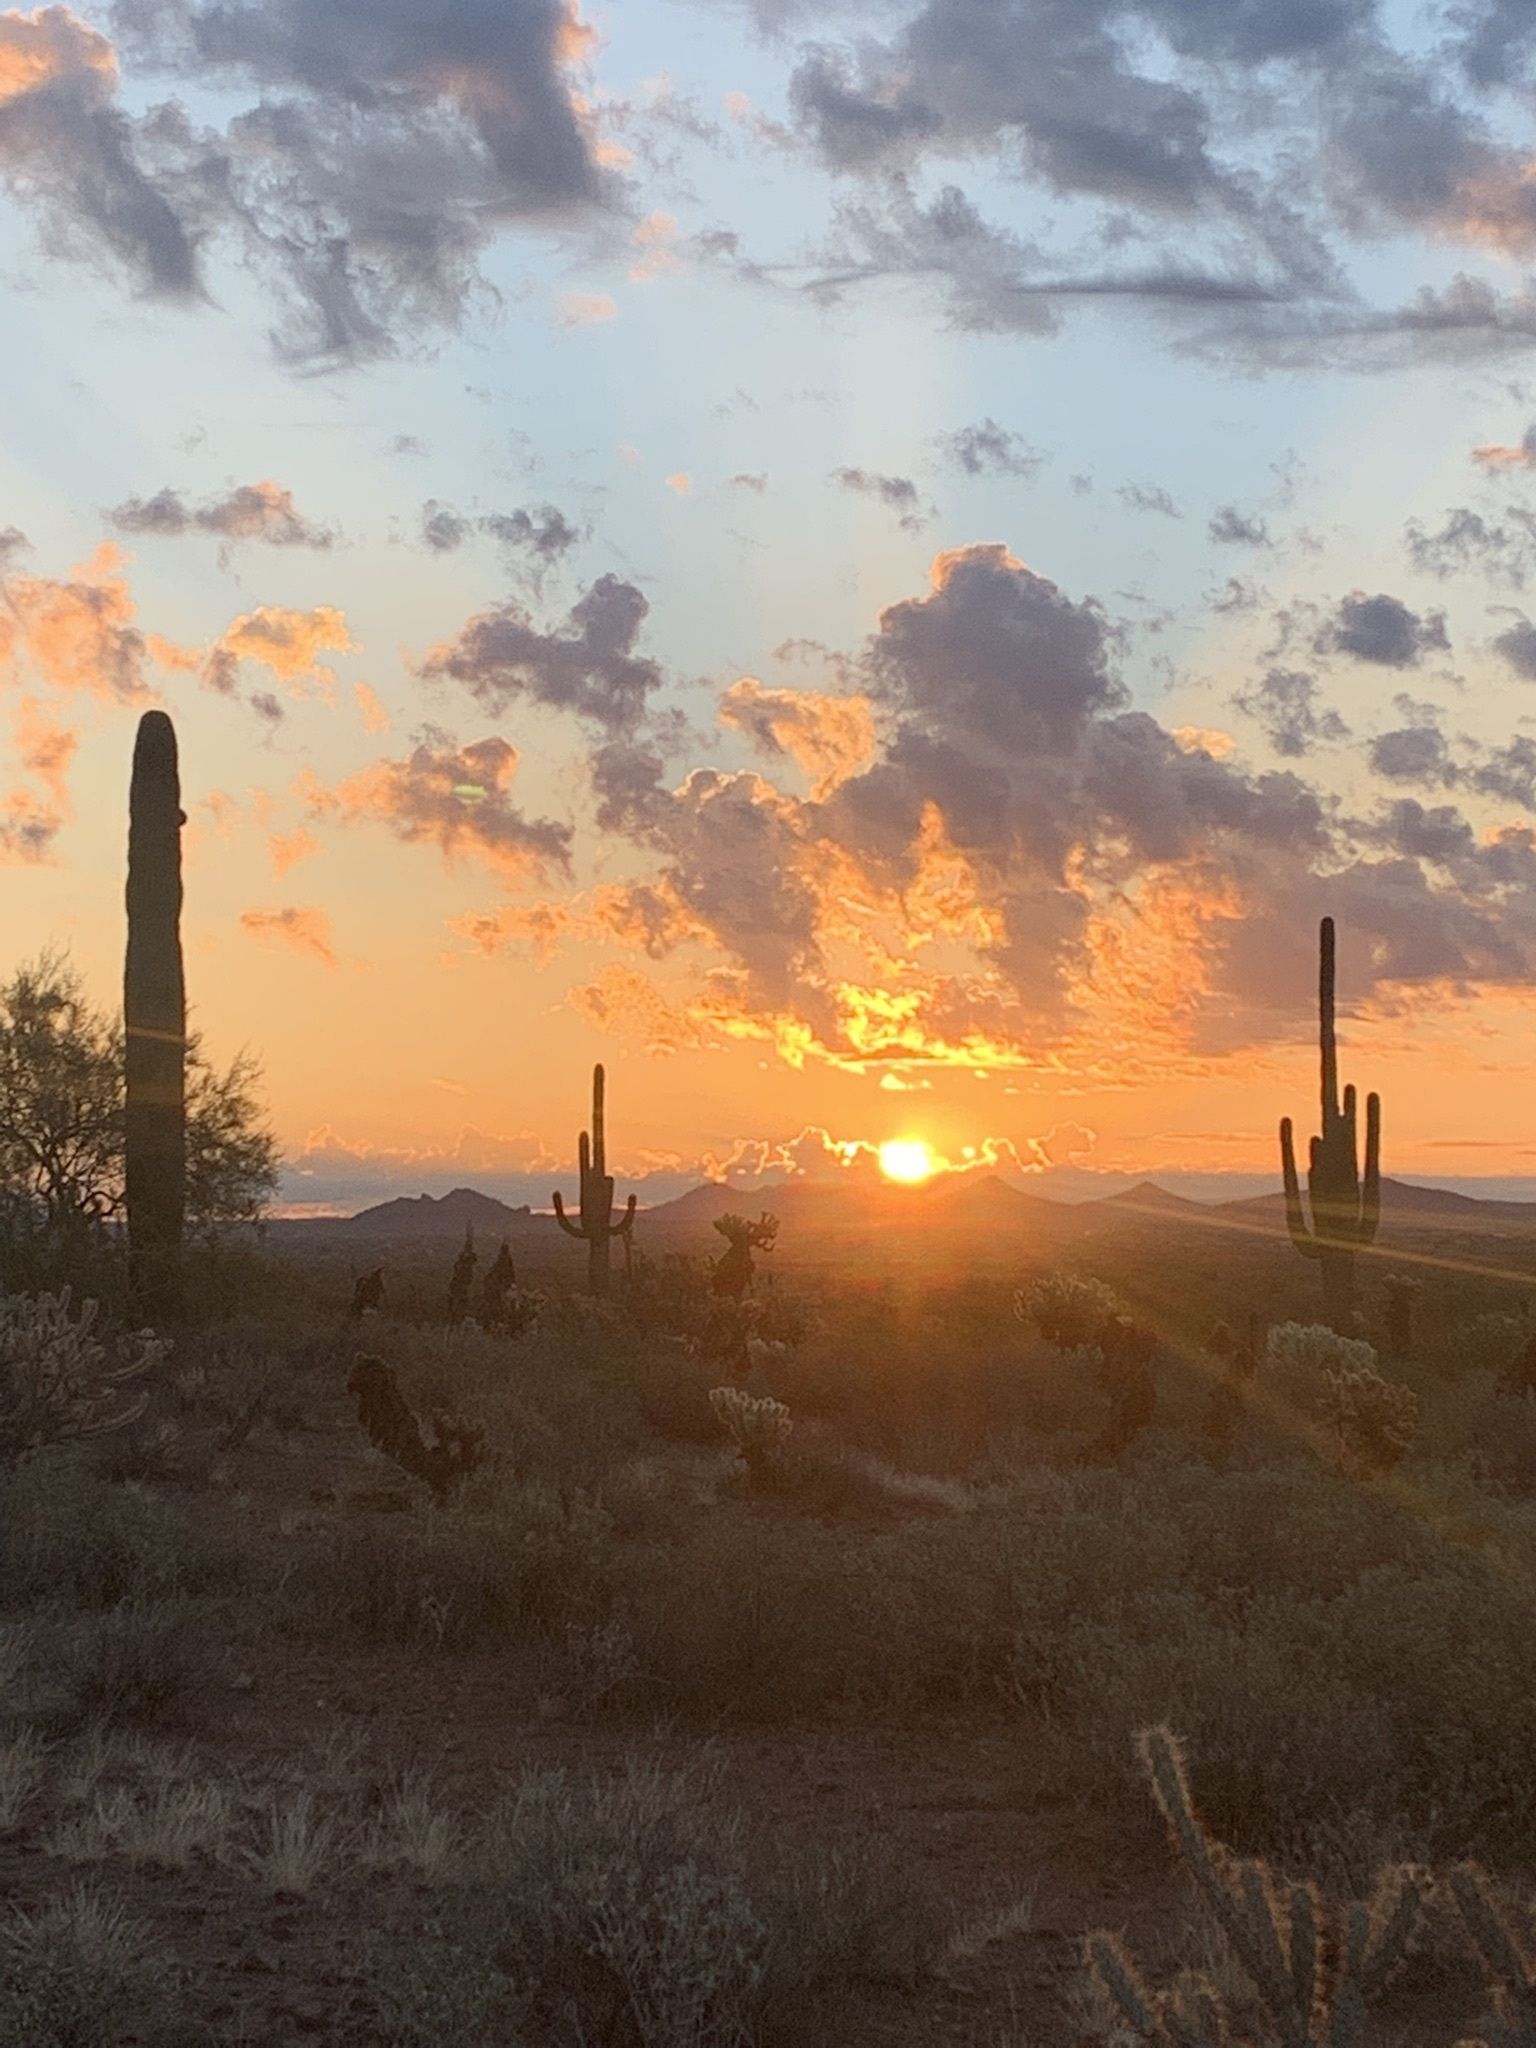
column 874, row 568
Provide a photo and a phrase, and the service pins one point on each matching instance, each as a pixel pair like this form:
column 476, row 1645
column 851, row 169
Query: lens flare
column 906, row 1159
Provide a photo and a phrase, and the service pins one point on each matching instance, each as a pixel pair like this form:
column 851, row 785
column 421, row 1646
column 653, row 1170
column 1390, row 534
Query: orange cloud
column 828, row 738
column 1199, row 739
column 304, row 928
column 375, row 717
column 453, row 797
column 78, row 634
column 288, row 851
column 289, row 643
column 39, row 48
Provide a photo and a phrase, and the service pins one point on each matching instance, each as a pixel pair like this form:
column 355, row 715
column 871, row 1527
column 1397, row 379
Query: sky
column 875, row 568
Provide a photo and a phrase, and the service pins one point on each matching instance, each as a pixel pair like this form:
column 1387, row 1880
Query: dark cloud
column 1415, row 754
column 1230, row 528
column 1235, row 595
column 1383, row 630
column 1508, row 773
column 377, row 151
column 1503, row 551
column 68, row 149
column 456, row 798
column 259, row 511
column 540, row 533
column 995, row 655
column 745, row 481
column 986, row 449
column 898, row 493
column 1285, row 703
column 1518, row 647
column 589, row 667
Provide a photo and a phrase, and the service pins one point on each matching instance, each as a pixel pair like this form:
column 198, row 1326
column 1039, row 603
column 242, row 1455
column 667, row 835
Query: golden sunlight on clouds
column 290, row 643
column 681, row 482
column 828, row 738
column 1200, row 739
column 51, row 43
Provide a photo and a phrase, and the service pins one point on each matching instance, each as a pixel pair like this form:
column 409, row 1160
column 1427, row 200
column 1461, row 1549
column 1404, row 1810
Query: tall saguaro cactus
column 155, row 1025
column 597, row 1225
column 1345, row 1209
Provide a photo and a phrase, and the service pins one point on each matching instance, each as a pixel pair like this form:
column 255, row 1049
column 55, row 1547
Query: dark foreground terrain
column 649, row 1734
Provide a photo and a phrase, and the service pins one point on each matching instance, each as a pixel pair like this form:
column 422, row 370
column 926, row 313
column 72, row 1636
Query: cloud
column 1285, row 703
column 540, row 533
column 743, row 481
column 287, row 851
column 287, row 642
column 899, row 493
column 261, row 511
column 1492, row 455
column 586, row 309
column 304, row 928
column 827, row 738
column 1518, row 646
column 77, row 634
column 375, row 718
column 1467, row 542
column 1382, row 630
column 68, row 150
column 455, row 798
column 1148, row 498
column 1230, row 528
column 986, row 449
column 589, row 666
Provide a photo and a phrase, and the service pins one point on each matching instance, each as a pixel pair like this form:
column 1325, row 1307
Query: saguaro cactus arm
column 1295, row 1214
column 571, row 1229
column 597, row 1225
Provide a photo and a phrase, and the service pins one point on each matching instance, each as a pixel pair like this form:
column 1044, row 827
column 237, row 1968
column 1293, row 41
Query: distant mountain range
column 438, row 1216
column 946, row 1204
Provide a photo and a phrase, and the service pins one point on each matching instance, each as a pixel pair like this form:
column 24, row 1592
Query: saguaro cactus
column 597, row 1225
column 155, row 1025
column 1345, row 1209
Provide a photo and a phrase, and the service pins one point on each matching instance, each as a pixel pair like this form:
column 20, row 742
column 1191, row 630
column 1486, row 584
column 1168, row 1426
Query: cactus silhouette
column 1315, row 1967
column 597, row 1225
column 155, row 1025
column 1345, row 1209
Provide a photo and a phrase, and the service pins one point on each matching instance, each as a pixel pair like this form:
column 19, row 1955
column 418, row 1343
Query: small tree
column 62, row 1118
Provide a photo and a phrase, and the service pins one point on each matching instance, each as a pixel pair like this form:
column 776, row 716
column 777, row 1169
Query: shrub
column 78, row 1973
column 646, row 1911
column 1068, row 1313
column 1375, row 1420
column 57, row 1382
column 759, row 1428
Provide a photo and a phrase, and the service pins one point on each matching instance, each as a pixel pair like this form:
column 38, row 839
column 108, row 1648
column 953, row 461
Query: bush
column 57, row 1382
column 647, row 1912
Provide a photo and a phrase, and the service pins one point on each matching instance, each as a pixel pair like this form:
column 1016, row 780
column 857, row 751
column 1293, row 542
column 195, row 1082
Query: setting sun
column 906, row 1159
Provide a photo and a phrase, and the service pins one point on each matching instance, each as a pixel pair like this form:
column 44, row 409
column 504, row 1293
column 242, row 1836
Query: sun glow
column 906, row 1159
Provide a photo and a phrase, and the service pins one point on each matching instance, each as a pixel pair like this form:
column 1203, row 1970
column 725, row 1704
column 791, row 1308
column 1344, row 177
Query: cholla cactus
column 757, row 1426
column 1315, row 1966
column 1374, row 1419
column 1508, row 1961
column 57, row 1383
column 1069, row 1313
column 1315, row 1348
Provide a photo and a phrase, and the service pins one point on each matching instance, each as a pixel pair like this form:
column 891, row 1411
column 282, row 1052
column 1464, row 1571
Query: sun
column 906, row 1159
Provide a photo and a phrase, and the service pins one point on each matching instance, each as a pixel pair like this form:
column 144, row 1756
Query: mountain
column 1402, row 1201
column 438, row 1216
column 1148, row 1199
